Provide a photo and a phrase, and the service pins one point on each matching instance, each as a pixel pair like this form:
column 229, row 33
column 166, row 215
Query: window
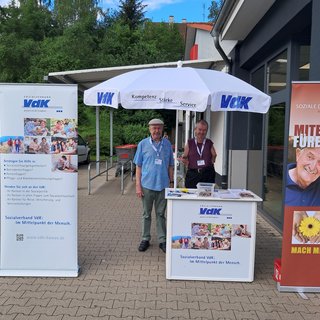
column 257, row 79
column 277, row 73
column 304, row 63
column 273, row 185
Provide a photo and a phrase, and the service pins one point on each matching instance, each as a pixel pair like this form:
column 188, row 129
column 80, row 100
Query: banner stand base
column 40, row 273
column 297, row 289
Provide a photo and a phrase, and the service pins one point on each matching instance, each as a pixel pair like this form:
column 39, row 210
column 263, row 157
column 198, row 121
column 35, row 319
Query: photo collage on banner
column 210, row 236
column 57, row 137
column 301, row 236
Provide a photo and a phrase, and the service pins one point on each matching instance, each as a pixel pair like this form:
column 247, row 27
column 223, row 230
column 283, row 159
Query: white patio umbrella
column 188, row 89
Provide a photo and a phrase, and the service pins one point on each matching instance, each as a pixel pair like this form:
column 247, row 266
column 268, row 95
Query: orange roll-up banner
column 301, row 235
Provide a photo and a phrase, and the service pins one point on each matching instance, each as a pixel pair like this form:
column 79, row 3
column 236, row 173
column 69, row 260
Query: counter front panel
column 211, row 239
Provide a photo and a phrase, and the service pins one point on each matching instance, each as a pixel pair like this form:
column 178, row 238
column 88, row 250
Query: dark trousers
column 195, row 176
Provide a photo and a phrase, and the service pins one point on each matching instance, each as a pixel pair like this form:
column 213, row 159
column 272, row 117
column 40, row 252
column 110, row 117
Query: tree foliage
column 42, row 36
column 214, row 9
column 131, row 13
column 67, row 12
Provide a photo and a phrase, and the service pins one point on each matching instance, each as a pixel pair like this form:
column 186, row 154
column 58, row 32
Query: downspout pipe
column 225, row 160
column 217, row 27
column 215, row 33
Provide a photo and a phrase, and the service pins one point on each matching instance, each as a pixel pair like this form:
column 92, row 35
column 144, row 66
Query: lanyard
column 157, row 150
column 200, row 152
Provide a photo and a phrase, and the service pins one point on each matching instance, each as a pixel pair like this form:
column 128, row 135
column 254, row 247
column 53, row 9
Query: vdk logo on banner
column 210, row 211
column 36, row 103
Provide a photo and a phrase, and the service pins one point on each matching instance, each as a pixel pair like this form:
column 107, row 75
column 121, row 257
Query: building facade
column 275, row 42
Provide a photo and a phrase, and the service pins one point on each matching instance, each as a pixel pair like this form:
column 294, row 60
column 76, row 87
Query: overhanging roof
column 237, row 18
column 88, row 78
column 201, row 25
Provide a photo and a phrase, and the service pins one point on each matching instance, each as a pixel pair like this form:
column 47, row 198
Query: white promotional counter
column 211, row 237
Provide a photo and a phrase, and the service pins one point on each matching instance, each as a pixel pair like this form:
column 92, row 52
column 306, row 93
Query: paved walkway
column 118, row 282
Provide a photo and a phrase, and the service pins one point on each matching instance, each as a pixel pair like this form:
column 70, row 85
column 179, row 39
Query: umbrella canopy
column 187, row 89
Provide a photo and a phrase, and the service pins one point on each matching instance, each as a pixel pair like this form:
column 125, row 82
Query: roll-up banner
column 301, row 234
column 39, row 165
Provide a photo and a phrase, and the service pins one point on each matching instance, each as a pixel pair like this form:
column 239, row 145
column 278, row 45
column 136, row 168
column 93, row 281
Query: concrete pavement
column 118, row 282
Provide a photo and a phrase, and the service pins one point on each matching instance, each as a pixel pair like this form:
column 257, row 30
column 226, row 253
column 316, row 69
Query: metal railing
column 108, row 167
column 124, row 174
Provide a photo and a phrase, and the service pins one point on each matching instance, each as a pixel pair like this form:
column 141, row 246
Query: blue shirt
column 29, row 128
column 296, row 196
column 154, row 176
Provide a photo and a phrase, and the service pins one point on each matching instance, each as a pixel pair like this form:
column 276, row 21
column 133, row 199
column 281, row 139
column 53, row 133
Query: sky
column 160, row 10
column 191, row 10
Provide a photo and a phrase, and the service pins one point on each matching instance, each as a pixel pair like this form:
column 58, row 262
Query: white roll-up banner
column 39, row 176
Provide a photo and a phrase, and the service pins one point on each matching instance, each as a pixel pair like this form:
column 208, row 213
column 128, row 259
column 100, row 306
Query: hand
column 316, row 238
column 139, row 192
column 298, row 216
column 184, row 160
column 317, row 215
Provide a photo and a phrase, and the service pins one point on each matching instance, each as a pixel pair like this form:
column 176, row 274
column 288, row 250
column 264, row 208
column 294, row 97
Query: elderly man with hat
column 154, row 172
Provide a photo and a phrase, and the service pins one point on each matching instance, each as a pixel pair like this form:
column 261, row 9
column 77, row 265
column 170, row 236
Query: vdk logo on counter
column 36, row 103
column 237, row 102
column 210, row 211
column 105, row 97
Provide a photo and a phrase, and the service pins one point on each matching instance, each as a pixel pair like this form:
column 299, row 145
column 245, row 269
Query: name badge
column 200, row 163
column 158, row 162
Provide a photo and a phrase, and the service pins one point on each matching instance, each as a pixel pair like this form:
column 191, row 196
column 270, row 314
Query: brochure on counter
column 217, row 194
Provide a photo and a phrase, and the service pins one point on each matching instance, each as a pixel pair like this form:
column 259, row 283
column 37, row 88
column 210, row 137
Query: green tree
column 214, row 10
column 67, row 12
column 15, row 56
column 28, row 20
column 131, row 13
column 166, row 39
column 42, row 36
column 65, row 52
column 114, row 46
column 156, row 42
column 22, row 28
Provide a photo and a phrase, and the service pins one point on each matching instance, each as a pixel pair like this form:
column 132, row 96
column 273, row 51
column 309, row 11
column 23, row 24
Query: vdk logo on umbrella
column 105, row 97
column 237, row 102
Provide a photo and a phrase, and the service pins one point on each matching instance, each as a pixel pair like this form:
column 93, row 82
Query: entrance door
column 272, row 205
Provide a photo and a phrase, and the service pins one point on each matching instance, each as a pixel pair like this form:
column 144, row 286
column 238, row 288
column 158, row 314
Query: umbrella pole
column 111, row 137
column 176, row 150
column 179, row 65
column 97, row 140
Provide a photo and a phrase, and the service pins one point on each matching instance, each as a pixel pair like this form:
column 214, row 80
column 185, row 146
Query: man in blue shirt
column 154, row 172
column 303, row 179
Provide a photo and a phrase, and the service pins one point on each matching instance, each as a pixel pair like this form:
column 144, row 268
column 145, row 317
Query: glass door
column 272, row 204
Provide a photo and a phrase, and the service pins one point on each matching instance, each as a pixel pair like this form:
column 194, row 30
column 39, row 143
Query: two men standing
column 154, row 172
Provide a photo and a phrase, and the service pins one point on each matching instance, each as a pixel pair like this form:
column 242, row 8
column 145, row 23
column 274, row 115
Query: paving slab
column 119, row 282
